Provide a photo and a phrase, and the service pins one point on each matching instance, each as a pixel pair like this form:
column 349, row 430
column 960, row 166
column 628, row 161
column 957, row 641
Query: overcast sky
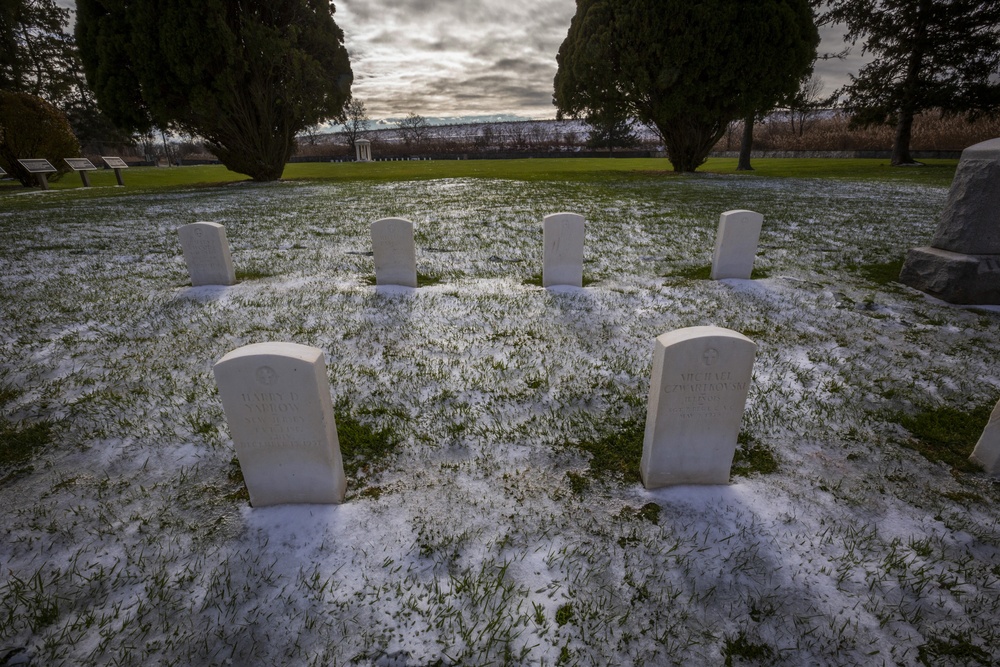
column 473, row 57
column 452, row 58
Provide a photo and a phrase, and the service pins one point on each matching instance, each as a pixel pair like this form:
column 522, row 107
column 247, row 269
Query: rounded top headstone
column 689, row 333
column 203, row 224
column 289, row 350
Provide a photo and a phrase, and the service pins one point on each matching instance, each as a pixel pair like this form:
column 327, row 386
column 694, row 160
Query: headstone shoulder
column 305, row 353
column 699, row 332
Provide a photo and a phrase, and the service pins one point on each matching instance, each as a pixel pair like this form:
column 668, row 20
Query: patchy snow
column 122, row 545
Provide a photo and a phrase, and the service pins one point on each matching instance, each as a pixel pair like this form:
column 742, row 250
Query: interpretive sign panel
column 39, row 168
column 115, row 162
column 81, row 165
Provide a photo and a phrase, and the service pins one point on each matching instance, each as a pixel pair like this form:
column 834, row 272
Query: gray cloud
column 455, row 57
column 466, row 57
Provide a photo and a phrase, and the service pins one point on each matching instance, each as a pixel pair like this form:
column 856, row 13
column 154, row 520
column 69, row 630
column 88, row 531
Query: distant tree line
column 690, row 69
column 473, row 139
column 247, row 78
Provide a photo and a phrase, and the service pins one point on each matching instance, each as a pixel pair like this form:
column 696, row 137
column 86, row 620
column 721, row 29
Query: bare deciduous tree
column 354, row 119
column 413, row 128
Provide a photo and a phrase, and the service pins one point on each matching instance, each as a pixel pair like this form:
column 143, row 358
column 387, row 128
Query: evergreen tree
column 610, row 129
column 929, row 54
column 246, row 75
column 30, row 127
column 36, row 56
column 686, row 67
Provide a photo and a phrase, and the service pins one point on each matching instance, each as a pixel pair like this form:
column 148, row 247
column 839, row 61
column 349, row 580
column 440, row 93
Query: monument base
column 953, row 277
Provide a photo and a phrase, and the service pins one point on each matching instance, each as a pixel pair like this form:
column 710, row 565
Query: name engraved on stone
column 280, row 414
column 275, row 415
column 206, row 253
column 697, row 394
column 704, row 394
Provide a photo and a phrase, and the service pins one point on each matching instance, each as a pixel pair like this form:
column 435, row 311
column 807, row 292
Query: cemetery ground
column 491, row 428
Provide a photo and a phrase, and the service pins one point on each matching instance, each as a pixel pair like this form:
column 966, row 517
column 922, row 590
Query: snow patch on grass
column 125, row 541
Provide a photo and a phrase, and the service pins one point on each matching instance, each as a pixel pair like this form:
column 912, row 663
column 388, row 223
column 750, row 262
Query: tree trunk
column 910, row 90
column 901, row 144
column 688, row 142
column 746, row 145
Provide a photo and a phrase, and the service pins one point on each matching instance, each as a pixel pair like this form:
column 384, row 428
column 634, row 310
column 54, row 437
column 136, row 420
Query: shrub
column 30, row 127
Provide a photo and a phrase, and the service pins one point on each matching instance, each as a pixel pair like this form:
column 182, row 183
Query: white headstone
column 562, row 240
column 395, row 254
column 736, row 244
column 206, row 252
column 276, row 397
column 697, row 394
column 987, row 451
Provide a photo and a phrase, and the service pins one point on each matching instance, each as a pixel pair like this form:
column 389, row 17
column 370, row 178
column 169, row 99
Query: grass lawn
column 934, row 172
column 490, row 427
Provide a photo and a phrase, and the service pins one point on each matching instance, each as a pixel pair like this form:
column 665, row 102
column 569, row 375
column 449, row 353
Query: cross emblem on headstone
column 711, row 354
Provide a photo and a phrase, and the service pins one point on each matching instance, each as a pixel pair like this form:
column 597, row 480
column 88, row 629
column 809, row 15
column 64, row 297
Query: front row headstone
column 736, row 244
column 697, row 394
column 987, row 451
column 206, row 252
column 276, row 398
column 394, row 251
column 562, row 240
